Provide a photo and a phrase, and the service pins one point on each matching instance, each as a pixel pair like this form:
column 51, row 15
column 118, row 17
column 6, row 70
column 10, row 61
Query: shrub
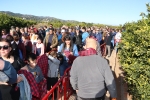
column 134, row 56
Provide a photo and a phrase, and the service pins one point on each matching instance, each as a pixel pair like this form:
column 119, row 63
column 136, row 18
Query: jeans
column 108, row 49
column 116, row 48
column 113, row 43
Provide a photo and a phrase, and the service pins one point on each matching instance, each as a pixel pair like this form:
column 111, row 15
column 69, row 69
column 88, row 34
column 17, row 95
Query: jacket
column 10, row 72
column 22, row 48
column 38, row 90
column 25, row 92
column 75, row 50
column 108, row 39
column 77, row 39
column 28, row 46
column 31, row 80
column 89, row 74
column 98, row 37
column 53, row 67
column 42, row 62
column 54, row 41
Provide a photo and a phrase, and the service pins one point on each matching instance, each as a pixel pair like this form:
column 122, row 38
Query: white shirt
column 118, row 36
column 17, row 42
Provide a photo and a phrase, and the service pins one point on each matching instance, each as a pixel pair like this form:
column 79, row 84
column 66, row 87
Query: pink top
column 4, row 36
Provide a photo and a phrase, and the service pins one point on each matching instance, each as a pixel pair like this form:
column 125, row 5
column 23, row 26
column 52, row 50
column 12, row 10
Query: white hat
column 62, row 30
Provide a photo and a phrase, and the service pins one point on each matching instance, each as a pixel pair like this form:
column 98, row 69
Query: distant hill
column 36, row 18
column 51, row 20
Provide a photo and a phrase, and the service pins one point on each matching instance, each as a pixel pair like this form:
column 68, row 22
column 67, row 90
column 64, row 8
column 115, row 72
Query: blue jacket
column 63, row 67
column 75, row 50
column 72, row 34
column 98, row 36
column 25, row 91
column 113, row 34
column 84, row 36
column 10, row 72
column 59, row 36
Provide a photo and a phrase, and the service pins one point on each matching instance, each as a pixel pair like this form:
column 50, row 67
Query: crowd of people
column 37, row 57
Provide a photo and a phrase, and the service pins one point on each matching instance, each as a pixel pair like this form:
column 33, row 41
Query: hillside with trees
column 41, row 20
column 7, row 21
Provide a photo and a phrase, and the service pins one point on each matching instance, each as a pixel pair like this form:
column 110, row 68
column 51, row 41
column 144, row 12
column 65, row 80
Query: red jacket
column 22, row 48
column 38, row 90
column 31, row 80
column 28, row 46
column 42, row 62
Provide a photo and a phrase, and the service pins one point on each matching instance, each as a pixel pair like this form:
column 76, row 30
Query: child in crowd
column 39, row 49
column 63, row 64
column 34, row 68
column 52, row 70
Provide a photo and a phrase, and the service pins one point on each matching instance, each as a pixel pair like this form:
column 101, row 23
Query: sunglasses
column 5, row 47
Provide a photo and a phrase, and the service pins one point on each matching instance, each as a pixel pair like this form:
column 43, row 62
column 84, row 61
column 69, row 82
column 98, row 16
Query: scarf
column 88, row 52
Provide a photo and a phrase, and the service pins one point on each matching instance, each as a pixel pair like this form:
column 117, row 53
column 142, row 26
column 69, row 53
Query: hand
column 19, row 79
column 3, row 83
column 71, row 53
column 64, row 54
column 76, row 91
column 25, row 68
column 84, row 47
column 51, row 47
column 103, row 38
column 47, row 54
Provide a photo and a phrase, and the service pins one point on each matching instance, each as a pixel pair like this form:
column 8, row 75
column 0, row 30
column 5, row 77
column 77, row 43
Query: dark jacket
column 16, row 47
column 108, row 39
column 77, row 39
column 28, row 46
column 22, row 48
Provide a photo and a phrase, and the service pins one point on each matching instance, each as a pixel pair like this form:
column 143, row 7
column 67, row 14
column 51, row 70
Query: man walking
column 89, row 74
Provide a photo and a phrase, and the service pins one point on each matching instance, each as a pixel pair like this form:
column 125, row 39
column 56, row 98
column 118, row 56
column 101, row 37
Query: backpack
column 16, row 51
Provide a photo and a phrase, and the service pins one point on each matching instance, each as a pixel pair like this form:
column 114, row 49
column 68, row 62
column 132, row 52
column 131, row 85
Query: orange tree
column 134, row 56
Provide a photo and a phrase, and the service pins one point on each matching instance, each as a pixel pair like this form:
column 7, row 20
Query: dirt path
column 121, row 85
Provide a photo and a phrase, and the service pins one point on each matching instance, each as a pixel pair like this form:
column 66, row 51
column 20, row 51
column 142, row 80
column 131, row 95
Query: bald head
column 91, row 43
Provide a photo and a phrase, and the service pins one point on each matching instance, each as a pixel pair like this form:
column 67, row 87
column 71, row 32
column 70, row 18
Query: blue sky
column 112, row 12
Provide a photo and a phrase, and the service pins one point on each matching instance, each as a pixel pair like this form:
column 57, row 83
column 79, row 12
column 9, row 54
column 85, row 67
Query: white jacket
column 53, row 67
column 118, row 36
